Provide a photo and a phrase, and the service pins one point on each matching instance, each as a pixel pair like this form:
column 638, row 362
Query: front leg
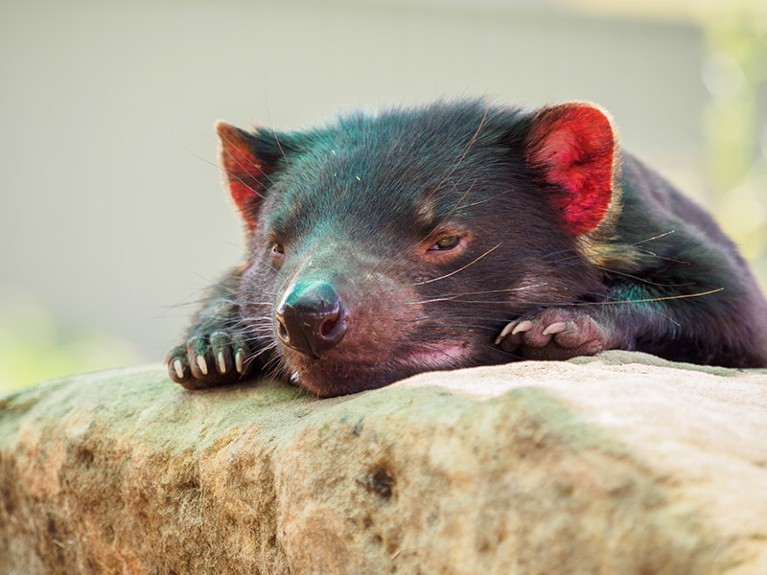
column 557, row 333
column 707, row 325
column 216, row 349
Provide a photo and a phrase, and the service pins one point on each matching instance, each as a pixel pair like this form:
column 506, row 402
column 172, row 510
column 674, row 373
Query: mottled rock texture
column 619, row 464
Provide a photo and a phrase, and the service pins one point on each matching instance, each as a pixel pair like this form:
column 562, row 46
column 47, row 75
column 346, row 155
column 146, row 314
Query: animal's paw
column 554, row 333
column 208, row 360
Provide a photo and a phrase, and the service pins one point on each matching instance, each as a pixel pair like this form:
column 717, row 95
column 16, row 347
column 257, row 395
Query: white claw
column 178, row 368
column 505, row 332
column 238, row 357
column 221, row 362
column 526, row 325
column 554, row 328
column 202, row 364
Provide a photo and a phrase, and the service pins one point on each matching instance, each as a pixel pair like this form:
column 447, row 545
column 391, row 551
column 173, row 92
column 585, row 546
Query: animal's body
column 461, row 234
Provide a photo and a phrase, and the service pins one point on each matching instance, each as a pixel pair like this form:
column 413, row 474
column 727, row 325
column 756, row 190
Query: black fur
column 360, row 204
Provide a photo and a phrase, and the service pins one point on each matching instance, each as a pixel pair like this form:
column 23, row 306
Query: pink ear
column 244, row 172
column 575, row 147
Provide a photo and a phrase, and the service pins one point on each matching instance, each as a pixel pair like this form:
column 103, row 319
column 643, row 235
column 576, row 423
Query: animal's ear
column 247, row 163
column 575, row 147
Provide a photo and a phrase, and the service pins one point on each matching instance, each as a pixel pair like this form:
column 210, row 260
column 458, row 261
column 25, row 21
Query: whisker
column 641, row 279
column 490, row 199
column 240, row 180
column 653, row 238
column 664, row 258
column 471, row 263
column 252, row 164
column 453, row 209
column 662, row 298
column 462, row 325
column 468, row 147
column 274, row 135
column 616, row 302
column 576, row 255
column 596, row 303
column 499, row 350
column 453, row 297
column 190, row 151
column 452, row 317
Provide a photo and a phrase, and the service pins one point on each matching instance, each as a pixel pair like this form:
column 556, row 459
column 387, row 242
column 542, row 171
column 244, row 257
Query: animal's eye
column 278, row 249
column 446, row 243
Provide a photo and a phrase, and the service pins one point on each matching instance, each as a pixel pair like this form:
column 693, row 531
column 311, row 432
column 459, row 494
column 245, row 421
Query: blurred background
column 112, row 217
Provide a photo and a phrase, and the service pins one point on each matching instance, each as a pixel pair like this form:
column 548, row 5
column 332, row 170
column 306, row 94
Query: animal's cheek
column 378, row 323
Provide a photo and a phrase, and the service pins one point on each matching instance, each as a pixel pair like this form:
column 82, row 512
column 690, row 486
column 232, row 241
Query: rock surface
column 618, row 464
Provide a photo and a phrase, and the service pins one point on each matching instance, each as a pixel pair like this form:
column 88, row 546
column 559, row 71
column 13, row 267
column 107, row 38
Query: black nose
column 311, row 318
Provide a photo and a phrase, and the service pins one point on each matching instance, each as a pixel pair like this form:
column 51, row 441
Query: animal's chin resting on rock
column 461, row 234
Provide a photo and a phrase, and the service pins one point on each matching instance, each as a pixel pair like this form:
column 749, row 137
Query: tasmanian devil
column 461, row 234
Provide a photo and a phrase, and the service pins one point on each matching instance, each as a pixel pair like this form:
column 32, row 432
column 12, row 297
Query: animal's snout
column 311, row 318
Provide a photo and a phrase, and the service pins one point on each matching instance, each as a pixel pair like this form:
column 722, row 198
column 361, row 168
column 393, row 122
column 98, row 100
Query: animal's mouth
column 331, row 376
column 434, row 357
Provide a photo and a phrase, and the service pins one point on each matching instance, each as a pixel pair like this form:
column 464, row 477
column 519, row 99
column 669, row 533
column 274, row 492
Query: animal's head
column 385, row 245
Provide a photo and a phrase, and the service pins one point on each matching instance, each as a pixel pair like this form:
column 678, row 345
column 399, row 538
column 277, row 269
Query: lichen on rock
column 617, row 464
